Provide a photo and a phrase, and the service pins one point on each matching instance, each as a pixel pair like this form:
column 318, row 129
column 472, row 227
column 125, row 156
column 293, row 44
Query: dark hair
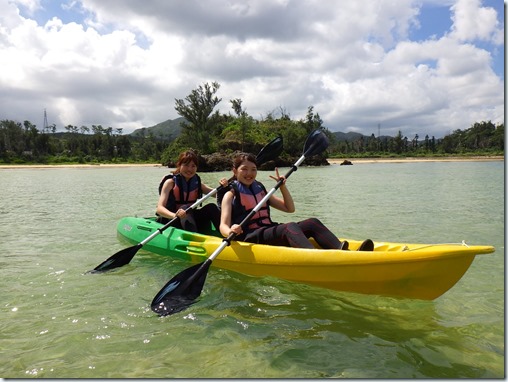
column 184, row 158
column 242, row 157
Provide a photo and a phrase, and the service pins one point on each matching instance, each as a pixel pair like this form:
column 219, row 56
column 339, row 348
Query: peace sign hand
column 278, row 177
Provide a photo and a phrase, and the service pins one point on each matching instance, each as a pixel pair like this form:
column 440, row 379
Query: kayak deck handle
column 188, row 249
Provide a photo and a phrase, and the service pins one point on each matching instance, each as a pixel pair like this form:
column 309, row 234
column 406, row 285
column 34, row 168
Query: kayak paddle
column 183, row 289
column 269, row 152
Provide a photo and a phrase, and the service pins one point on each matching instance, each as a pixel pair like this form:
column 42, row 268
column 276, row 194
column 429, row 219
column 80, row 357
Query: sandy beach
column 332, row 161
column 105, row 165
column 414, row 159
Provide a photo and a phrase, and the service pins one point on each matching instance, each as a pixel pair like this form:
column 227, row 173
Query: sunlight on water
column 59, row 322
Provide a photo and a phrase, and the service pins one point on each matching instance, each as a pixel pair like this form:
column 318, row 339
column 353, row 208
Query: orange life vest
column 183, row 192
column 244, row 201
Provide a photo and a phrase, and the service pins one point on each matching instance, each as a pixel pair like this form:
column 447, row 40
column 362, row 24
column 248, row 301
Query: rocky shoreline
column 222, row 162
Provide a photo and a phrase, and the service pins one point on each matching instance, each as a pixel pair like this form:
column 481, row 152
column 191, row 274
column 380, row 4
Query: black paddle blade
column 181, row 291
column 119, row 259
column 316, row 143
column 271, row 151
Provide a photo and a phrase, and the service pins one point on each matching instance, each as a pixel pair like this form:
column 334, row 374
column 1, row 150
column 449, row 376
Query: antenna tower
column 45, row 127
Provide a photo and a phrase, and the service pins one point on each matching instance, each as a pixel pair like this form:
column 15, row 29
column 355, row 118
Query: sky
column 426, row 67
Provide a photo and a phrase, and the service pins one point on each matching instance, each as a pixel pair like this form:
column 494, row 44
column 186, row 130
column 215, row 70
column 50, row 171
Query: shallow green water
column 58, row 322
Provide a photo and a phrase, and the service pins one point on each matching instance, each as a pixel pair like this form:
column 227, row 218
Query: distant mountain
column 352, row 136
column 168, row 130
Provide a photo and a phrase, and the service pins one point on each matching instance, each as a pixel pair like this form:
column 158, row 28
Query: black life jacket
column 244, row 200
column 183, row 192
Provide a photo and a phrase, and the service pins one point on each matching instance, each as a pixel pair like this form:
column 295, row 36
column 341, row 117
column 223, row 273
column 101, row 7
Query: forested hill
column 168, row 130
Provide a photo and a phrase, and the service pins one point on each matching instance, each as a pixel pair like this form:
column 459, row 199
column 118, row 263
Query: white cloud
column 472, row 22
column 124, row 64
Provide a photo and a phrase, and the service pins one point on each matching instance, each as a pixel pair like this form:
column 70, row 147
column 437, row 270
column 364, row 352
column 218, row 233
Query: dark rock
column 224, row 162
column 215, row 162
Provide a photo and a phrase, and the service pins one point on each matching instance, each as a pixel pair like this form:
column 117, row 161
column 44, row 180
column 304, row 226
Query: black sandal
column 367, row 245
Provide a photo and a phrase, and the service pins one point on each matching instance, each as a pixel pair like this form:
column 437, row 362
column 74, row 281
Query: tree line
column 208, row 131
column 25, row 144
column 482, row 138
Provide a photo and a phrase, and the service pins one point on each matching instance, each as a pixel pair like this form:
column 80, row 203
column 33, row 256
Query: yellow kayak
column 422, row 271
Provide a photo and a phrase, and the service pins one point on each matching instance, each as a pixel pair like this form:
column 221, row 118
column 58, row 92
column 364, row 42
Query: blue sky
column 50, row 8
column 435, row 20
column 421, row 67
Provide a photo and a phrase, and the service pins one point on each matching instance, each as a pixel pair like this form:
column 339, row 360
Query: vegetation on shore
column 211, row 133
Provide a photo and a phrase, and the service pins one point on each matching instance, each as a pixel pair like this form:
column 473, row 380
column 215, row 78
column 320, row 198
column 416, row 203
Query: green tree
column 372, row 144
column 241, row 114
column 398, row 143
column 312, row 121
column 201, row 125
column 498, row 138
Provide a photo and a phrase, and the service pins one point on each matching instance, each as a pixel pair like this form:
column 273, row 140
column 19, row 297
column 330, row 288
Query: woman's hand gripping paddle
column 269, row 152
column 183, row 289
